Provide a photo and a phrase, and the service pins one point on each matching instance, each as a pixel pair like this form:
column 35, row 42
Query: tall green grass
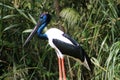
column 95, row 27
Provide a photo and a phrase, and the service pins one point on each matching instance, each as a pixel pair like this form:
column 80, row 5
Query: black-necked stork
column 61, row 42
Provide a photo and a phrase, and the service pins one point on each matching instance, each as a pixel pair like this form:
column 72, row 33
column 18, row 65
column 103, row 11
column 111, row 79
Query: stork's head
column 44, row 19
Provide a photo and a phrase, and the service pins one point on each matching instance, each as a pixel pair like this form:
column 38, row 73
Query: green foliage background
column 95, row 24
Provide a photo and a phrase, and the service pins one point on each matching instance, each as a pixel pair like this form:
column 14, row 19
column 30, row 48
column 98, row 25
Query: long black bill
column 32, row 33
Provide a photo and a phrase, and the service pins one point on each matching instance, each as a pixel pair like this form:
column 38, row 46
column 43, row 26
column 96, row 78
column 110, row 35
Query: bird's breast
column 55, row 33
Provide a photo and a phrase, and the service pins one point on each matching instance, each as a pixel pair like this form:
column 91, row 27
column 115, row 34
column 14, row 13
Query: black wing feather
column 69, row 49
column 72, row 40
column 74, row 50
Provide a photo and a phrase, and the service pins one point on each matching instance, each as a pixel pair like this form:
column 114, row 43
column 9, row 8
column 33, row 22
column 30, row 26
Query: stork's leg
column 62, row 75
column 60, row 68
column 63, row 69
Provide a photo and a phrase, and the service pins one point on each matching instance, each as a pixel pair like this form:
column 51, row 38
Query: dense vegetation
column 95, row 24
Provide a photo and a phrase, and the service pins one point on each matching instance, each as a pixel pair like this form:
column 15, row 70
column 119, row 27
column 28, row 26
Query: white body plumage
column 55, row 33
